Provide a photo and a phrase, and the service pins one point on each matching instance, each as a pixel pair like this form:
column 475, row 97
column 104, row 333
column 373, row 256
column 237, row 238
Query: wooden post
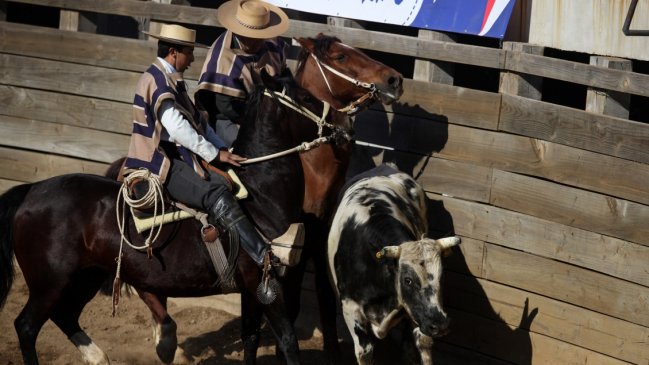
column 613, row 103
column 434, row 71
column 69, row 20
column 515, row 83
column 3, row 10
column 344, row 22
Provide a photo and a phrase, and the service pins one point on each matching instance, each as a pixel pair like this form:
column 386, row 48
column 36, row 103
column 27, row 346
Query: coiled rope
column 153, row 197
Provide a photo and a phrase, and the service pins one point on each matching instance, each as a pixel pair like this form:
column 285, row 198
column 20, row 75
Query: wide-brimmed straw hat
column 252, row 18
column 176, row 34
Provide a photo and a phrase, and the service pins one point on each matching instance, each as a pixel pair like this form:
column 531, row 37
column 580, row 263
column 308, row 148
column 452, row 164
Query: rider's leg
column 212, row 196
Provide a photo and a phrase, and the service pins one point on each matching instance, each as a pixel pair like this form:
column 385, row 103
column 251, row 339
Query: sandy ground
column 206, row 332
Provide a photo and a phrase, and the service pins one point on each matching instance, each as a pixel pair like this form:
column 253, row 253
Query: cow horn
column 392, row 252
column 448, row 242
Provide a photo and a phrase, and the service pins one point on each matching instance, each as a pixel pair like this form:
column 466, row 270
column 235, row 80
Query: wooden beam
column 572, row 127
column 538, row 236
column 434, row 71
column 29, row 166
column 606, row 102
column 74, row 110
column 514, row 83
column 63, row 140
column 570, row 206
column 69, row 20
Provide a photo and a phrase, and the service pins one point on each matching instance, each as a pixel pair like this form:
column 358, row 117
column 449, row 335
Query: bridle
column 357, row 105
column 320, row 121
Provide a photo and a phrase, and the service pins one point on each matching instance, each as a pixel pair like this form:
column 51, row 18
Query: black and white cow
column 383, row 266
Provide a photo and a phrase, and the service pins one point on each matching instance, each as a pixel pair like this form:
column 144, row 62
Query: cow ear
column 446, row 244
column 392, row 252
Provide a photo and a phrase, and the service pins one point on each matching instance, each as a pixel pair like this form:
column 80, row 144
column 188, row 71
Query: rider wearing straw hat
column 231, row 70
column 170, row 135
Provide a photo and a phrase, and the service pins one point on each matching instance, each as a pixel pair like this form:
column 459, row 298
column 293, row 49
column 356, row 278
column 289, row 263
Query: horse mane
column 321, row 44
column 285, row 79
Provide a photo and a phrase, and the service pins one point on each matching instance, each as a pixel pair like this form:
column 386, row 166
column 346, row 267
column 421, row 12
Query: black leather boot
column 228, row 216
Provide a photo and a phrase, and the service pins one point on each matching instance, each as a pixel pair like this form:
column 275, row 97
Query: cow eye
column 408, row 281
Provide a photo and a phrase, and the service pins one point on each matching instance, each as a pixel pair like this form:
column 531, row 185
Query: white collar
column 168, row 67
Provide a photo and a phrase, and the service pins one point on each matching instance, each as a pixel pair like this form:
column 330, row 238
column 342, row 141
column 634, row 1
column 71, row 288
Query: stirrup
column 288, row 247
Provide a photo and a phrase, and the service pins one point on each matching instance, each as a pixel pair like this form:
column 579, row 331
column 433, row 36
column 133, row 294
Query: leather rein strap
column 355, row 106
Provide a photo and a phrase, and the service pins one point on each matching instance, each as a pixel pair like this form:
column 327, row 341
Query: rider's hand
column 226, row 156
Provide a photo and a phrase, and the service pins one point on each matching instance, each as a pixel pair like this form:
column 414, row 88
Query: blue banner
column 487, row 18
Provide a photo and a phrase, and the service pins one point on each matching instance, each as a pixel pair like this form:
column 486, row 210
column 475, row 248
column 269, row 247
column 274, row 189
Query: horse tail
column 112, row 172
column 9, row 203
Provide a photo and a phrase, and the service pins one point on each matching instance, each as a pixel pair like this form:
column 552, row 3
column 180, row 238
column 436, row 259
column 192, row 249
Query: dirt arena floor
column 207, row 333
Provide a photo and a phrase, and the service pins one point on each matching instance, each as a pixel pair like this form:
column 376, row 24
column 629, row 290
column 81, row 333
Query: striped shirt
column 230, row 71
column 150, row 146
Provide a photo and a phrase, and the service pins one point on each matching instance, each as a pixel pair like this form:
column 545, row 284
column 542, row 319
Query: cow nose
column 439, row 327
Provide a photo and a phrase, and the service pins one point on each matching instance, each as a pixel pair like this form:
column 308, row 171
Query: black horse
column 64, row 234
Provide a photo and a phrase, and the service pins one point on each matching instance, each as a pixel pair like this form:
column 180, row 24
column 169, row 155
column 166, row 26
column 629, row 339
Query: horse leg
column 29, row 323
column 251, row 312
column 327, row 303
column 283, row 330
column 164, row 328
column 67, row 310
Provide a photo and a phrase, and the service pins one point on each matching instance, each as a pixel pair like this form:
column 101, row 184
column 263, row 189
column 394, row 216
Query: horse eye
column 339, row 57
column 308, row 99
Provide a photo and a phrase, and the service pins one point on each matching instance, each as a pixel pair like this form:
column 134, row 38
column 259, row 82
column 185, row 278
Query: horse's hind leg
column 28, row 324
column 65, row 315
column 164, row 329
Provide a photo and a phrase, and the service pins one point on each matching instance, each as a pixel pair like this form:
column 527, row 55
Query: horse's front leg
column 251, row 312
column 164, row 328
column 282, row 327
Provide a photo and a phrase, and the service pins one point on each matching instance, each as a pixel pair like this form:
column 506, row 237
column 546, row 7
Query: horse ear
column 305, row 43
column 266, row 79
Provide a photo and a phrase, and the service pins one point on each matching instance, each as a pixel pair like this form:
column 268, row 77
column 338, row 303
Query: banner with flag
column 487, row 18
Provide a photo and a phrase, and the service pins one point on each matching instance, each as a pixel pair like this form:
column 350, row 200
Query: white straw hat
column 253, row 18
column 176, row 34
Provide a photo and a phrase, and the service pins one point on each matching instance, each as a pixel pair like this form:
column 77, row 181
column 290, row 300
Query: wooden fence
column 551, row 201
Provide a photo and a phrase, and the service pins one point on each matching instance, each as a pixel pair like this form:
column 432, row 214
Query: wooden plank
column 513, row 83
column 440, row 72
column 627, row 82
column 69, row 20
column 568, row 323
column 518, row 346
column 30, row 166
column 392, row 43
column 448, row 103
column 447, row 354
column 599, row 77
column 573, row 207
column 567, row 165
column 611, row 103
column 608, row 255
column 581, row 287
column 453, row 178
column 62, row 139
column 85, row 48
column 594, row 132
column 69, row 78
column 8, row 184
column 66, row 109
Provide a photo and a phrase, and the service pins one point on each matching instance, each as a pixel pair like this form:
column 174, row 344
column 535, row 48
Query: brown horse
column 350, row 81
column 64, row 234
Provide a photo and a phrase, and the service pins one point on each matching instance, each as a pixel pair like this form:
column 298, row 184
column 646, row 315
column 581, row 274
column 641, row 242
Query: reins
column 355, row 106
column 305, row 146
